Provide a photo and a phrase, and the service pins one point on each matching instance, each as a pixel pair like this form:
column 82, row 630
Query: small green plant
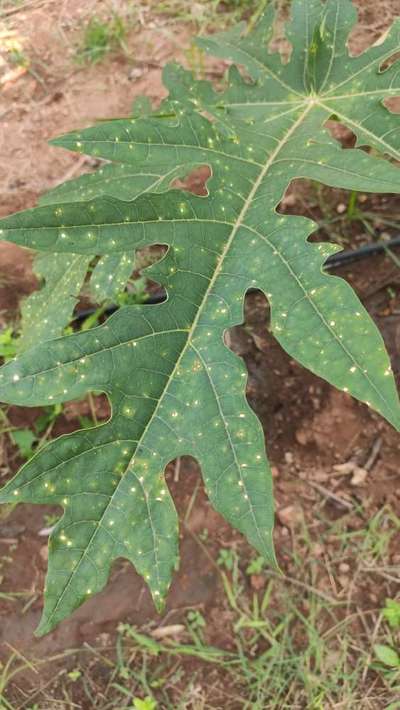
column 74, row 675
column 391, row 613
column 227, row 558
column 18, row 58
column 101, row 37
column 387, row 656
column 145, row 704
column 28, row 441
column 196, row 623
column 8, row 344
column 256, row 566
column 208, row 13
column 25, row 440
column 175, row 387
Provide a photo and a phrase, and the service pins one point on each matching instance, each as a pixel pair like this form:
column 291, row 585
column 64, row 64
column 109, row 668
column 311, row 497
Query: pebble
column 290, row 516
column 359, row 477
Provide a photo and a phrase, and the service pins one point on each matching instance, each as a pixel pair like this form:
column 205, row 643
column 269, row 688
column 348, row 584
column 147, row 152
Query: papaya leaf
column 110, row 276
column 174, row 386
column 46, row 312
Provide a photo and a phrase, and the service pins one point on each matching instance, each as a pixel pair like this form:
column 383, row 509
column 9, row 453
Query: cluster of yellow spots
column 128, row 411
column 64, row 539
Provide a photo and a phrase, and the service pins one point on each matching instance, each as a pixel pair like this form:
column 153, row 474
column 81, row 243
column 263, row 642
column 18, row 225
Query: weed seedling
column 101, row 37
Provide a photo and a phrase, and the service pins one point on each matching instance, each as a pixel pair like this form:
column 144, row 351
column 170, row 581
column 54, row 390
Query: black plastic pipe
column 347, row 257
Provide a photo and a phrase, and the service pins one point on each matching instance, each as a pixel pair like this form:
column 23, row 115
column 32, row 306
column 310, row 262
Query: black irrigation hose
column 336, row 260
column 347, row 257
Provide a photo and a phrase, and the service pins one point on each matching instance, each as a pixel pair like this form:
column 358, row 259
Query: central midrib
column 217, row 271
column 238, row 224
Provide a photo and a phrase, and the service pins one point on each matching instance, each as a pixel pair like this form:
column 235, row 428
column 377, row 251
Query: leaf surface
column 110, row 276
column 46, row 312
column 174, row 386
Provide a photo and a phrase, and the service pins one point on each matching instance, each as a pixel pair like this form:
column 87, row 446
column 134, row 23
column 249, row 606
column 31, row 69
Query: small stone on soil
column 291, row 515
column 359, row 477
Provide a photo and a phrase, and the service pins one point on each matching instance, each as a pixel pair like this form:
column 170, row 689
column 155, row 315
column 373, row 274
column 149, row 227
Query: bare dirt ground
column 310, row 428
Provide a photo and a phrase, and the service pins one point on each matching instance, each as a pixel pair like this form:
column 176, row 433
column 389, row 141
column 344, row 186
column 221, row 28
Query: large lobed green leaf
column 46, row 312
column 174, row 386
